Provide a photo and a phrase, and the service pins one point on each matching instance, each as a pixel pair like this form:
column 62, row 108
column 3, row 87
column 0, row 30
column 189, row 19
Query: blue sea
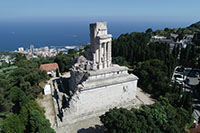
column 39, row 34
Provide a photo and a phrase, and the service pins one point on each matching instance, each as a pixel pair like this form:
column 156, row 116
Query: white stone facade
column 96, row 84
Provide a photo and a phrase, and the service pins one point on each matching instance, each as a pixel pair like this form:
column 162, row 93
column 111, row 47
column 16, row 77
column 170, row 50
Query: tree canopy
column 19, row 112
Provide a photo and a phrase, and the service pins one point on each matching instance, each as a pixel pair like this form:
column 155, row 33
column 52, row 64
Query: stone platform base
column 89, row 122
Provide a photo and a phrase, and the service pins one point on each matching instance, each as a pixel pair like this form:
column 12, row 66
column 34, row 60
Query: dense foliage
column 133, row 47
column 153, row 76
column 189, row 56
column 154, row 64
column 19, row 86
column 194, row 28
column 12, row 54
column 159, row 117
column 196, row 38
column 64, row 61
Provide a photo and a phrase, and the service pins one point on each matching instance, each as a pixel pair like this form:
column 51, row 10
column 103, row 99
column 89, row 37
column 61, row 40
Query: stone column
column 109, row 54
column 104, row 52
column 107, row 57
column 96, row 55
column 94, row 61
column 100, row 55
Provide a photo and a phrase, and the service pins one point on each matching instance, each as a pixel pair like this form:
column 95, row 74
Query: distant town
column 46, row 51
column 32, row 52
column 173, row 40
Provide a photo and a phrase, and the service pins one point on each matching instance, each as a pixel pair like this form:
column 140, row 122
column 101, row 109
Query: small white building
column 47, row 89
column 156, row 37
column 21, row 49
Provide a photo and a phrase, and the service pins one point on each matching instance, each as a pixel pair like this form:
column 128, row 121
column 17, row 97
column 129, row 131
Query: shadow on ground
column 96, row 129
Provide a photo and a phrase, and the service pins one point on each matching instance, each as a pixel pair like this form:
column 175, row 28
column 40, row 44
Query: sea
column 23, row 34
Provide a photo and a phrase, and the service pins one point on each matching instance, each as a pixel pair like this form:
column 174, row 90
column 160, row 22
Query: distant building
column 50, row 68
column 32, row 48
column 158, row 38
column 174, row 36
column 21, row 49
column 46, row 49
column 189, row 37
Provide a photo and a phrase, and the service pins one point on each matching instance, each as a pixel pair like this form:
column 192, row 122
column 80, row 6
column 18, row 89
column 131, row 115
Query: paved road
column 190, row 86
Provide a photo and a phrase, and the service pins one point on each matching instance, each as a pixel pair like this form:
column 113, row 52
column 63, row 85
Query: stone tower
column 100, row 45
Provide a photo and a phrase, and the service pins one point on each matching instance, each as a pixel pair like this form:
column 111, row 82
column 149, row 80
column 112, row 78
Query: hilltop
column 192, row 29
column 195, row 27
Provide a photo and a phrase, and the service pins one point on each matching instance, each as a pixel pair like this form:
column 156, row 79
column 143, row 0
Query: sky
column 118, row 10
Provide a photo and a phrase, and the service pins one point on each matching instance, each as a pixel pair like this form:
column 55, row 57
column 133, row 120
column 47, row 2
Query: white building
column 156, row 37
column 47, row 89
column 21, row 49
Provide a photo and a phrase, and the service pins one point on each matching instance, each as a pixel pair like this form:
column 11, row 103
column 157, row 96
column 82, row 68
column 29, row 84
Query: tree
column 72, row 51
column 32, row 116
column 186, row 102
column 149, row 31
column 120, row 61
column 19, row 99
column 5, row 104
column 64, row 62
column 17, row 110
column 166, row 29
column 196, row 39
column 119, row 120
column 152, row 76
column 39, row 124
column 13, row 124
column 158, row 117
column 19, row 57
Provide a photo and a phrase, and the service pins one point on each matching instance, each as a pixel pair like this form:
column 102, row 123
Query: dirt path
column 47, row 103
column 144, row 97
column 92, row 125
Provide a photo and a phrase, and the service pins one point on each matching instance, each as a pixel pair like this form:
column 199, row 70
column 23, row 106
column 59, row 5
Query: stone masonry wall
column 101, row 100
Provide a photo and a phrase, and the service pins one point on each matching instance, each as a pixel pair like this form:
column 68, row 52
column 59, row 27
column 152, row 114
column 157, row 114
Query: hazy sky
column 151, row 10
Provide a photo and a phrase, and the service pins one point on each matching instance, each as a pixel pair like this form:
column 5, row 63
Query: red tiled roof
column 49, row 67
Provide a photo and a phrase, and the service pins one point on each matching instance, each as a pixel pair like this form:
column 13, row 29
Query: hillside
column 194, row 27
column 6, row 53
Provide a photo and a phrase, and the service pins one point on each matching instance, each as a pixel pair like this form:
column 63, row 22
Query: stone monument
column 96, row 84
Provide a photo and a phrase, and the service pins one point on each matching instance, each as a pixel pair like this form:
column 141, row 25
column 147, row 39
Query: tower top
column 100, row 45
column 98, row 29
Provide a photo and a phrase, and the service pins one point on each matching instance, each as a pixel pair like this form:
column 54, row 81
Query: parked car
column 179, row 69
column 179, row 78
